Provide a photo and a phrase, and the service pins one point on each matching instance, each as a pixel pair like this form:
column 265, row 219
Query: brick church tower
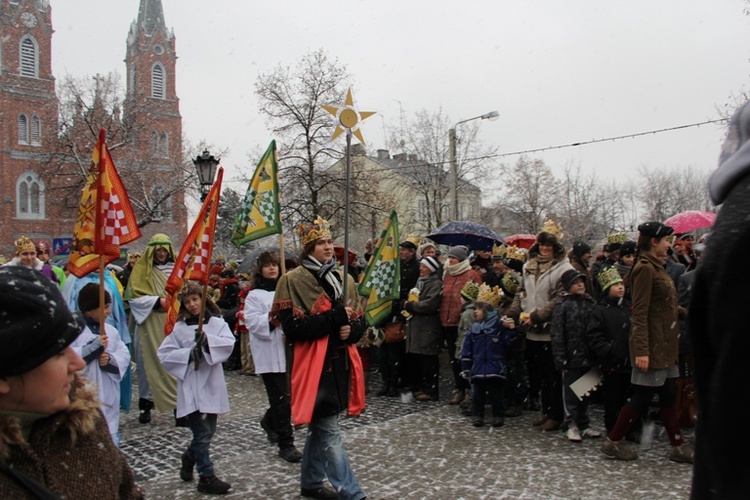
column 28, row 122
column 43, row 205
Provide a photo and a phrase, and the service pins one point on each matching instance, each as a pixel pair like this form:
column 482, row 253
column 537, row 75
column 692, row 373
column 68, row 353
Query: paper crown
column 23, row 244
column 317, row 230
column 499, row 251
column 489, row 295
column 42, row 246
column 470, row 291
column 609, row 277
column 414, row 240
column 510, row 283
column 620, row 238
column 513, row 252
column 553, row 229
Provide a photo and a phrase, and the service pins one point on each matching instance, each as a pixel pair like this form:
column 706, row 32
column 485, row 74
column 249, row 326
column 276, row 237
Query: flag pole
column 346, row 213
column 102, row 265
column 282, row 258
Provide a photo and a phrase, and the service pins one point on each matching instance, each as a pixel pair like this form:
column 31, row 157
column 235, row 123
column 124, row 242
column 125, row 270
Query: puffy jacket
column 424, row 331
column 484, row 348
column 608, row 333
column 568, row 332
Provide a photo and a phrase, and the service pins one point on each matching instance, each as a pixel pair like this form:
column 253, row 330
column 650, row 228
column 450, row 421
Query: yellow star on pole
column 348, row 117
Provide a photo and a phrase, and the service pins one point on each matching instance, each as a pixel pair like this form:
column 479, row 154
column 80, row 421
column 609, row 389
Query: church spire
column 151, row 16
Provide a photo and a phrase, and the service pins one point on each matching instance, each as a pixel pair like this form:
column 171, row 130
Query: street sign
column 61, row 246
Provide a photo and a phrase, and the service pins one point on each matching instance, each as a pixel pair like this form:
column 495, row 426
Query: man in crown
column 495, row 274
column 327, row 375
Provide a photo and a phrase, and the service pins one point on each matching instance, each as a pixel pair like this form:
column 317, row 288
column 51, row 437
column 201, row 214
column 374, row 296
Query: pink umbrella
column 520, row 240
column 691, row 220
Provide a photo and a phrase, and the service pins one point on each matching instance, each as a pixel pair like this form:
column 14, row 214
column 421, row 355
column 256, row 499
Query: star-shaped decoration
column 348, row 117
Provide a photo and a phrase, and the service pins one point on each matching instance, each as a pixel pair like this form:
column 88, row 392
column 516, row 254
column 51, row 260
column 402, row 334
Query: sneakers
column 290, row 454
column 322, row 492
column 550, row 425
column 618, row 450
column 188, row 463
column 573, row 434
column 682, row 454
column 272, row 435
column 591, row 433
column 213, row 485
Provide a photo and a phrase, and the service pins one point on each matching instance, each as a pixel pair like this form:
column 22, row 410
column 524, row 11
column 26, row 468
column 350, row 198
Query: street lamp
column 492, row 115
column 205, row 164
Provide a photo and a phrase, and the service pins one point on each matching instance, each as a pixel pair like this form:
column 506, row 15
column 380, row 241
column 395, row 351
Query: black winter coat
column 568, row 334
column 608, row 334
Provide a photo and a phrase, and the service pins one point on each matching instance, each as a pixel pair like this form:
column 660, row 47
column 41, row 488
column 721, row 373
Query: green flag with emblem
column 383, row 274
column 259, row 213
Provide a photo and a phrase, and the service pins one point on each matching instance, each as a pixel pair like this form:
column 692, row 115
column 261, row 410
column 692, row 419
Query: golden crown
column 499, row 251
column 24, row 243
column 414, row 240
column 553, row 229
column 489, row 295
column 620, row 238
column 513, row 252
column 510, row 283
column 609, row 277
column 317, row 230
column 470, row 290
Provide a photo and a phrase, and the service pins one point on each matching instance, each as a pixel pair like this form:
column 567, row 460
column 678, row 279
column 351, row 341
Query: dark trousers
column 495, row 387
column 544, row 377
column 203, row 426
column 392, row 367
column 426, row 369
column 279, row 414
column 451, row 336
column 576, row 410
column 616, row 388
column 515, row 386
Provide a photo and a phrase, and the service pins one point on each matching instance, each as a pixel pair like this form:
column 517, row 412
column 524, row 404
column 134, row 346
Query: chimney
column 400, row 157
column 383, row 154
column 358, row 150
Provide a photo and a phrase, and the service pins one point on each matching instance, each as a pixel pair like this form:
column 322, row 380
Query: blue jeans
column 203, row 426
column 324, row 455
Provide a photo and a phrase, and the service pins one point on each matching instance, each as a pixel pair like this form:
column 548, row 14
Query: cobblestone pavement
column 405, row 448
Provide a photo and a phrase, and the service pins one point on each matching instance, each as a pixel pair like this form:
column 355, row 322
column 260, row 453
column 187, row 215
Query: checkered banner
column 259, row 215
column 105, row 218
column 383, row 274
column 194, row 259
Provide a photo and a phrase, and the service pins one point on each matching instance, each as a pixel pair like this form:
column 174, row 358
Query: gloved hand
column 466, row 374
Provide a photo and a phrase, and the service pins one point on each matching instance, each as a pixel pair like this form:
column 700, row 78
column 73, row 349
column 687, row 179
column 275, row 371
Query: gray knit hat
column 459, row 252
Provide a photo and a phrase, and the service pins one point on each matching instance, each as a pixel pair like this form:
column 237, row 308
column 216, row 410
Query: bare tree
column 666, row 192
column 425, row 142
column 580, row 199
column 529, row 193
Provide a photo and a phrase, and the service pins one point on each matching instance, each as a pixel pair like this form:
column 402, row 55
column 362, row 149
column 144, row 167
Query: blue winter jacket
column 484, row 348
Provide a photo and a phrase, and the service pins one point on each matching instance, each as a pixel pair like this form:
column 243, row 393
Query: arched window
column 29, row 57
column 158, row 81
column 36, row 131
column 23, row 129
column 162, row 147
column 30, row 196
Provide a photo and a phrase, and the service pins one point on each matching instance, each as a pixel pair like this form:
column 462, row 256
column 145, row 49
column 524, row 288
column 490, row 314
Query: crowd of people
column 542, row 330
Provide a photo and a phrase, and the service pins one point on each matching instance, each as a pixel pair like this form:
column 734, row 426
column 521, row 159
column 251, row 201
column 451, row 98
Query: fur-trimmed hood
column 77, row 419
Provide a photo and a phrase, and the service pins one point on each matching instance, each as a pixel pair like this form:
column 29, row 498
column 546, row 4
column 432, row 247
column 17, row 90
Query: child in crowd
column 194, row 356
column 468, row 296
column 516, row 389
column 483, row 355
column 608, row 334
column 570, row 351
column 107, row 358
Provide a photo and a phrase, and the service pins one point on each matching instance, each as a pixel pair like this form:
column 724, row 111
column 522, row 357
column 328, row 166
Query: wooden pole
column 102, row 318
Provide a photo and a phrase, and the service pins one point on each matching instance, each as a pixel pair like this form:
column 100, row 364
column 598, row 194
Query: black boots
column 145, row 406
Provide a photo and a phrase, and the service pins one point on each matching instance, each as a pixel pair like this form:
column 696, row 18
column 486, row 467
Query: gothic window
column 30, row 196
column 29, row 57
column 162, row 145
column 23, row 129
column 158, row 81
column 36, row 131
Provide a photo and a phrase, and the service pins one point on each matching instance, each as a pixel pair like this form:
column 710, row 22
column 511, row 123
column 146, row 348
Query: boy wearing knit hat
column 570, row 351
column 607, row 334
column 106, row 356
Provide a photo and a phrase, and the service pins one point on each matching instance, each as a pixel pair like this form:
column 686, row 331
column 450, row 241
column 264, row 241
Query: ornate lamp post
column 205, row 165
column 492, row 115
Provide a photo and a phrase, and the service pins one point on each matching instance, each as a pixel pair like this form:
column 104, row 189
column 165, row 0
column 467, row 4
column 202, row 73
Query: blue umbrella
column 461, row 232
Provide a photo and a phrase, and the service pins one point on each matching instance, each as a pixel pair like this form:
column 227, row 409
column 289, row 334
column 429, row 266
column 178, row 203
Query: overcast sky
column 557, row 72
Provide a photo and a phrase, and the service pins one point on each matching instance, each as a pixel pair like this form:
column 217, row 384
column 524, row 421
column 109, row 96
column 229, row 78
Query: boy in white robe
column 194, row 356
column 107, row 357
